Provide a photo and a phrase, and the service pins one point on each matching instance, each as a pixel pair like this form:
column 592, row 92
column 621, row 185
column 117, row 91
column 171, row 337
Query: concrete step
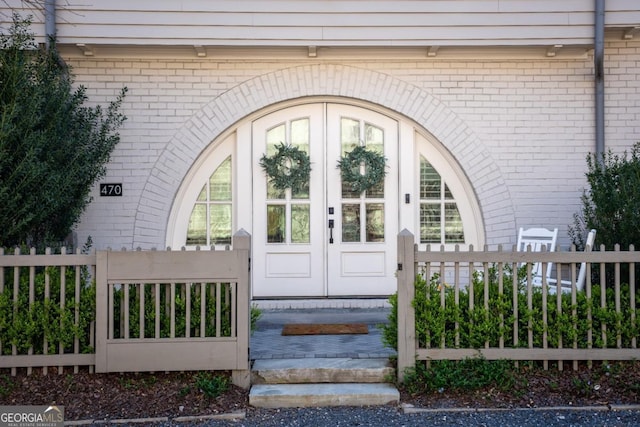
column 321, row 370
column 318, row 395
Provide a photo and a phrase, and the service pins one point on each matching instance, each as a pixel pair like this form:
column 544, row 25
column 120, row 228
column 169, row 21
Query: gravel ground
column 391, row 416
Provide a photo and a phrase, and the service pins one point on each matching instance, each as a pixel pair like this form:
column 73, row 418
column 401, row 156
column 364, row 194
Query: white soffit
column 315, row 53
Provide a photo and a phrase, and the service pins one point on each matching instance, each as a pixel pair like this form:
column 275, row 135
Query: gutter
column 49, row 22
column 598, row 65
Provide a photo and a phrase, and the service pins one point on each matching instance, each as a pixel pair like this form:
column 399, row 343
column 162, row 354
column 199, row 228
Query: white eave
column 319, row 29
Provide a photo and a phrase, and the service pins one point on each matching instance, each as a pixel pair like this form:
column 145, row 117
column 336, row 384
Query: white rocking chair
column 534, row 240
column 582, row 272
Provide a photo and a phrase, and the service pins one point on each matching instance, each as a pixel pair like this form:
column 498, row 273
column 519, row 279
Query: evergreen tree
column 611, row 204
column 53, row 148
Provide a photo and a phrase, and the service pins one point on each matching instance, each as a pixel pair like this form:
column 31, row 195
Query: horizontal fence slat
column 529, row 354
column 142, row 355
column 173, row 266
column 56, row 260
column 41, row 360
column 532, row 257
column 175, row 340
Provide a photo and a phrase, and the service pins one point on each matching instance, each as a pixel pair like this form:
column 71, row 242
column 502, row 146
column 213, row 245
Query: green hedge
column 479, row 325
column 27, row 325
column 180, row 308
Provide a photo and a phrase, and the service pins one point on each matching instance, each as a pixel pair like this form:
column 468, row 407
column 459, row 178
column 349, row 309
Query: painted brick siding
column 533, row 119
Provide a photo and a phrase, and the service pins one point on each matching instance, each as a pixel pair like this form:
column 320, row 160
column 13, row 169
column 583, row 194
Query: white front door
column 288, row 233
column 325, row 240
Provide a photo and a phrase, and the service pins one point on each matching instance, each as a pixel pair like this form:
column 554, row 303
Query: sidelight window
column 440, row 220
column 210, row 222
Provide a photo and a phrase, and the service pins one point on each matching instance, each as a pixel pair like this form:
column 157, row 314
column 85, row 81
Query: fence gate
column 173, row 310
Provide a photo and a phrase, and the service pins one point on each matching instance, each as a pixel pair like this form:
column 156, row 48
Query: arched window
column 447, row 212
column 210, row 222
column 204, row 211
column 440, row 220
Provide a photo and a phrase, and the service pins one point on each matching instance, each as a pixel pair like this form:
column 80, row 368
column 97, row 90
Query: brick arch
column 321, row 80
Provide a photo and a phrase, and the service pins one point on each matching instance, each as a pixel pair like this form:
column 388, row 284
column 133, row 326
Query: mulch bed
column 617, row 383
column 116, row 396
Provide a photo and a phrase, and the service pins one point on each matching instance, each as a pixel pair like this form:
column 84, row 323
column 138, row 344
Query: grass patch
column 6, row 385
column 212, row 385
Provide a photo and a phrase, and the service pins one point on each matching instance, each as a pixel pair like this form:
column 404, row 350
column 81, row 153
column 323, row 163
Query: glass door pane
column 276, row 224
column 369, row 216
column 289, row 219
column 375, row 222
column 350, row 222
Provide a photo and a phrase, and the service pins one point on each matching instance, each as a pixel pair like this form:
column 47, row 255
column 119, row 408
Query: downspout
column 49, row 22
column 598, row 62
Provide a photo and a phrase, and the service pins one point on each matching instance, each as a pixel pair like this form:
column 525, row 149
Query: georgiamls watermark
column 31, row 416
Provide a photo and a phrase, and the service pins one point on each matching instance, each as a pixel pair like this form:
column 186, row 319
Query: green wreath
column 289, row 167
column 374, row 169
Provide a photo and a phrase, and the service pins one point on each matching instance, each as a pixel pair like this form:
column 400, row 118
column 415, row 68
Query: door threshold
column 319, row 303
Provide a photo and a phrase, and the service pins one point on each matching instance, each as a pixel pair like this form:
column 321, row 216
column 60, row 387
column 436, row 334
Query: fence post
column 242, row 376
column 406, row 293
column 102, row 323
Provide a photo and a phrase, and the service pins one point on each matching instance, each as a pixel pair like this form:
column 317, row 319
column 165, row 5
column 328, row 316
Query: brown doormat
column 324, row 328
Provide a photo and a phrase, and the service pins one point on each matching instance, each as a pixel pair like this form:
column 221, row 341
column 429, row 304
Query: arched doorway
column 326, row 240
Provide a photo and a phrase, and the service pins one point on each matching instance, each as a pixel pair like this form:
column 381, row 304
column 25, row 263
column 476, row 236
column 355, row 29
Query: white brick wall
column 520, row 129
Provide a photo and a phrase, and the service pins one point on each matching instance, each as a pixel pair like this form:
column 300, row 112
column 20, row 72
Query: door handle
column 330, row 231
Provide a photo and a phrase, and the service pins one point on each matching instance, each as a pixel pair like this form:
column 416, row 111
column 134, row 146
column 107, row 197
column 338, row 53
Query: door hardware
column 331, row 231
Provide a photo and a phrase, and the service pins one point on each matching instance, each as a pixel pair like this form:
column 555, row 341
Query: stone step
column 321, row 370
column 319, row 395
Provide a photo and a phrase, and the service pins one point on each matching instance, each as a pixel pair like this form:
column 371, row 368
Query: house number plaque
column 111, row 190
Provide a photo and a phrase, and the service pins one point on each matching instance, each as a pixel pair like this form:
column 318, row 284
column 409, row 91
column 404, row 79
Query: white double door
column 324, row 240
